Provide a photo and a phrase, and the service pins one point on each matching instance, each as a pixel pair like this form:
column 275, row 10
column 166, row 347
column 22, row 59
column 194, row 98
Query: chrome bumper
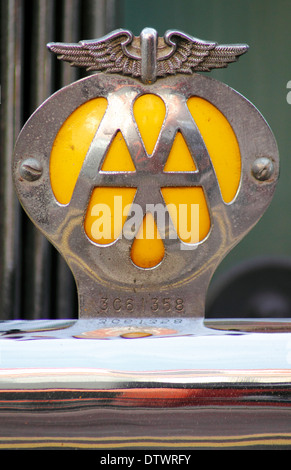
column 190, row 385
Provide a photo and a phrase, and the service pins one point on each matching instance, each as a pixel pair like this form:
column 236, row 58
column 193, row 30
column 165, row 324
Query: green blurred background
column 261, row 76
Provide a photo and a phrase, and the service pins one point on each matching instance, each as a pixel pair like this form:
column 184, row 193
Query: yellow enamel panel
column 118, row 157
column 189, row 212
column 187, row 206
column 149, row 113
column 148, row 248
column 107, row 212
column 71, row 146
column 109, row 207
column 221, row 143
column 180, row 158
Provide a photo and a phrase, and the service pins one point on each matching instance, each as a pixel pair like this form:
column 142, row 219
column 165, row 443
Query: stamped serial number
column 142, row 305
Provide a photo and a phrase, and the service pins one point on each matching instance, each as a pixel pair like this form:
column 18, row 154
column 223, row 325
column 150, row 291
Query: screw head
column 263, row 168
column 31, row 169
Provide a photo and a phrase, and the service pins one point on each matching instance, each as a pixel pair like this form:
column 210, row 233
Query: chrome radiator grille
column 35, row 282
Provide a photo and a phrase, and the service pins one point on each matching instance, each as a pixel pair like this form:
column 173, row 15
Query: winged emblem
column 148, row 56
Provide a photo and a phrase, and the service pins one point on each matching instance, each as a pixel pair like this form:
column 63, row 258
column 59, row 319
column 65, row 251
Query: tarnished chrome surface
column 108, row 272
column 148, row 56
column 184, row 385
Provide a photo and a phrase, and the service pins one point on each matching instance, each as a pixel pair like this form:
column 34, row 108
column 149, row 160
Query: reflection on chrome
column 171, row 383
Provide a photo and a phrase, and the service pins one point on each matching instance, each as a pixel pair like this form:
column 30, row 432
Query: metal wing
column 190, row 54
column 107, row 53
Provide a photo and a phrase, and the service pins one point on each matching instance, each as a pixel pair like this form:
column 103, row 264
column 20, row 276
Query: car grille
column 35, row 282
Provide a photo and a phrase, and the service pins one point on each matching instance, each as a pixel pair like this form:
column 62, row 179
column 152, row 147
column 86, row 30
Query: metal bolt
column 263, row 168
column 31, row 169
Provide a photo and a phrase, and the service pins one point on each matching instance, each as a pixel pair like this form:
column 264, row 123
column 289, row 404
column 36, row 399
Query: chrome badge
column 145, row 174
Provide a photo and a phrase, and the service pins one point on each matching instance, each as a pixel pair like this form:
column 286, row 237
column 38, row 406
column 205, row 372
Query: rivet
column 263, row 168
column 31, row 169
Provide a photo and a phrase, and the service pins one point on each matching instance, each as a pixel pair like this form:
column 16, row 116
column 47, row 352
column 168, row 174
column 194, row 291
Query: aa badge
column 147, row 172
